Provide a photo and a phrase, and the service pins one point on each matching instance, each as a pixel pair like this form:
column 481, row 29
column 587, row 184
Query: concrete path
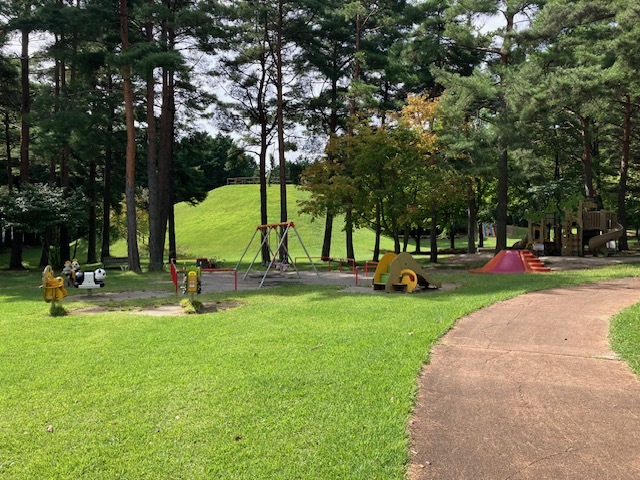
column 529, row 389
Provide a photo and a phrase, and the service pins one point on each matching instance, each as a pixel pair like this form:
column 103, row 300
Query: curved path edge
column 529, row 388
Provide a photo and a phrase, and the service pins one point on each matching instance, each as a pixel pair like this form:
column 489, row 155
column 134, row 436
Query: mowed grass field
column 291, row 382
column 224, row 223
column 222, row 226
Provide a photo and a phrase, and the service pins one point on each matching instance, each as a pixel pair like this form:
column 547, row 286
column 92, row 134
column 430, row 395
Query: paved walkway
column 529, row 389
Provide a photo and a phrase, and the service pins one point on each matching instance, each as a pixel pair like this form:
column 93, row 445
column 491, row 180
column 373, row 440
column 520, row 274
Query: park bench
column 116, row 262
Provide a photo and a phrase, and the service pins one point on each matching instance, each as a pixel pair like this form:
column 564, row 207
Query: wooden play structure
column 597, row 229
column 401, row 273
column 281, row 231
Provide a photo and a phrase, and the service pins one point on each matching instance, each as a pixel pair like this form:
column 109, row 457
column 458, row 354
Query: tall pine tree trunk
column 25, row 109
column 624, row 172
column 7, row 146
column 130, row 176
column 333, row 129
column 418, row 238
column 433, row 236
column 173, row 247
column 471, row 219
column 263, row 197
column 357, row 70
column 503, row 186
column 165, row 155
column 587, row 166
column 65, row 235
column 328, row 232
column 261, row 107
column 378, row 228
column 156, row 233
column 15, row 261
column 452, row 235
column 105, row 250
column 280, row 119
column 348, row 227
column 6, row 240
column 64, row 153
column 503, row 151
column 93, row 213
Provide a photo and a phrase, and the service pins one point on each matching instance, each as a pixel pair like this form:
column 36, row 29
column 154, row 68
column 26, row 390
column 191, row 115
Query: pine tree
column 502, row 55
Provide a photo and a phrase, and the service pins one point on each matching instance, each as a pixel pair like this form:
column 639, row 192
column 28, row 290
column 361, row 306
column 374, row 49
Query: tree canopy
column 414, row 116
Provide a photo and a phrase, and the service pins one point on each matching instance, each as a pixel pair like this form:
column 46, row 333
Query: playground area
column 585, row 237
column 229, row 281
column 393, row 273
column 224, row 281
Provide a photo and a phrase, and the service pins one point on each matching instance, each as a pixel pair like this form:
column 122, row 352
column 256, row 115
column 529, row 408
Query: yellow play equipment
column 192, row 281
column 401, row 273
column 52, row 287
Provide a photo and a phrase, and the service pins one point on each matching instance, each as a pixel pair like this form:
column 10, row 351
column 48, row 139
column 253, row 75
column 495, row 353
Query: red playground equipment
column 513, row 261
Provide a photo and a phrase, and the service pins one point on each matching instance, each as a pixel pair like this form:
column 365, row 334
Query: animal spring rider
column 78, row 278
column 192, row 283
column 69, row 271
column 52, row 287
column 90, row 280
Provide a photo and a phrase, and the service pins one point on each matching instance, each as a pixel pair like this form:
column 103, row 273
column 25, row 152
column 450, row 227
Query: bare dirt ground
column 360, row 283
column 557, row 263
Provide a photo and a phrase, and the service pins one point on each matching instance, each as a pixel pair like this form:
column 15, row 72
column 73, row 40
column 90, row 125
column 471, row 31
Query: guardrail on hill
column 253, row 180
column 243, row 180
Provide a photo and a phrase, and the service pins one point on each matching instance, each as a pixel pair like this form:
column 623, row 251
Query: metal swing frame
column 282, row 237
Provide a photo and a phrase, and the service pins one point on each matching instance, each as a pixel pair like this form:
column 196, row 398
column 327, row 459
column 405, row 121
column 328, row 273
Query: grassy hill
column 223, row 224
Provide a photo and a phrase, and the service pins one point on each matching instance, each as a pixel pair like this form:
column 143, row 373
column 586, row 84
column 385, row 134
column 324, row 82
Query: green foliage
column 9, row 85
column 57, row 310
column 392, row 177
column 203, row 162
column 37, row 207
column 191, row 306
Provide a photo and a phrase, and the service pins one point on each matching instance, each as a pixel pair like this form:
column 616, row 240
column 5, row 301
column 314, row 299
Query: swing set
column 281, row 231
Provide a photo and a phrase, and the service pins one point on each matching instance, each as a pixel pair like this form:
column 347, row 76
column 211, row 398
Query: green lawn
column 625, row 336
column 293, row 382
column 296, row 382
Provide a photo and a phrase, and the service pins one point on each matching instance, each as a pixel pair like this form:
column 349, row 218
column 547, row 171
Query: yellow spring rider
column 52, row 287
